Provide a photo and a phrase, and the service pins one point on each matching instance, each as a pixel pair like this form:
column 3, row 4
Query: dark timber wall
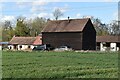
column 72, row 39
column 89, row 37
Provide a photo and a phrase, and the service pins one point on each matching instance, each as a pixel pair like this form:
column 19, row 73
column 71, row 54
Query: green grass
column 59, row 65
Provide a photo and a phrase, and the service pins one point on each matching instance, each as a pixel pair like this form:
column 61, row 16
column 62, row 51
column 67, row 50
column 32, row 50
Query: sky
column 106, row 10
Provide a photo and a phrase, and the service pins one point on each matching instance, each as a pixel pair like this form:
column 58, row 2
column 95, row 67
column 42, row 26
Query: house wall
column 89, row 37
column 12, row 47
column 112, row 47
column 56, row 39
column 32, row 46
column 118, row 49
column 102, row 48
column 25, row 47
column 0, row 47
column 22, row 47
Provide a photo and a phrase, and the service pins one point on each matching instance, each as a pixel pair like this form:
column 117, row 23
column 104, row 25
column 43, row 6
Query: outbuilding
column 3, row 45
column 24, row 43
column 108, row 43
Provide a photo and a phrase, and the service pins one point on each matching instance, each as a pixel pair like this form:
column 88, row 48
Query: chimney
column 48, row 19
column 68, row 19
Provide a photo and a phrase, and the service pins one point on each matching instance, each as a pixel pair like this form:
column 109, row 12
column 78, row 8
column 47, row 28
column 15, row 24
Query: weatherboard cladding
column 72, row 25
column 65, row 38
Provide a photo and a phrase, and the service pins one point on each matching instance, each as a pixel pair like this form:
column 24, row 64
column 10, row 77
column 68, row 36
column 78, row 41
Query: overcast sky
column 106, row 10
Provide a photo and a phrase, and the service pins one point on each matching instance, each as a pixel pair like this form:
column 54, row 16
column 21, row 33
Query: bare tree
column 7, row 31
column 114, row 27
column 100, row 27
column 57, row 13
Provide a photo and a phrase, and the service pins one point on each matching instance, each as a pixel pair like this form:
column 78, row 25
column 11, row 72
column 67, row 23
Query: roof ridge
column 70, row 19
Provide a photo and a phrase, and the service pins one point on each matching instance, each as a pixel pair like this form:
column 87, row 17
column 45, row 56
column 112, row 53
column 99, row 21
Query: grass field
column 59, row 65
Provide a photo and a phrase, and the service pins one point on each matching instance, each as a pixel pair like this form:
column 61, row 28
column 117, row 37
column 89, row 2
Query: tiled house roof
column 26, row 40
column 108, row 38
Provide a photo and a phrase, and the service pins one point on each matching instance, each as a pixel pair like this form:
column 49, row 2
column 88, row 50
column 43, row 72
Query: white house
column 108, row 43
column 24, row 43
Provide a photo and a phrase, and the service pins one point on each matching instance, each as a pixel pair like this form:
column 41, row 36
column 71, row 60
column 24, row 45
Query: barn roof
column 22, row 40
column 71, row 25
column 108, row 38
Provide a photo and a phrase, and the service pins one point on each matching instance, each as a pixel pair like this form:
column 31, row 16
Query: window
column 20, row 46
column 29, row 46
column 103, row 43
column 118, row 44
column 10, row 47
column 106, row 44
column 98, row 44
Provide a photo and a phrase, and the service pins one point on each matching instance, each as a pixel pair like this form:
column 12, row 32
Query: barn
column 78, row 34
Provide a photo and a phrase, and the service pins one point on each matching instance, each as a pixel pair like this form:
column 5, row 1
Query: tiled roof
column 108, row 38
column 22, row 40
column 72, row 25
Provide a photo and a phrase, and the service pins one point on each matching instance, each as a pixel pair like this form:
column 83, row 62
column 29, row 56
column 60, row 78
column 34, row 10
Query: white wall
column 102, row 48
column 32, row 46
column 0, row 47
column 118, row 49
column 12, row 47
column 113, row 47
column 25, row 47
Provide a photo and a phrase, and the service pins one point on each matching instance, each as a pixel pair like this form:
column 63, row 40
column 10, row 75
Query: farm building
column 3, row 45
column 78, row 34
column 24, row 43
column 108, row 43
